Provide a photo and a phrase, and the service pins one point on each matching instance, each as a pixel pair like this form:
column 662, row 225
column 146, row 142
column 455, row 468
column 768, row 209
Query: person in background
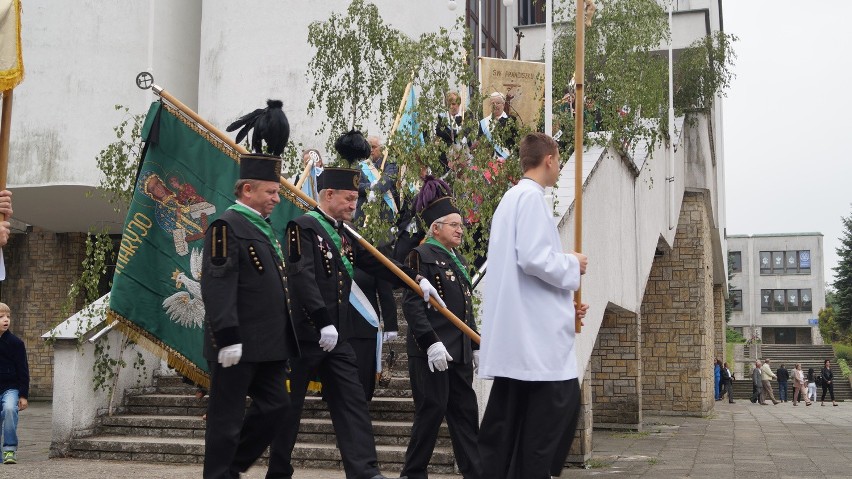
column 717, row 379
column 757, row 384
column 727, row 385
column 799, row 385
column 767, row 374
column 783, row 376
column 14, row 384
column 811, row 379
column 827, row 382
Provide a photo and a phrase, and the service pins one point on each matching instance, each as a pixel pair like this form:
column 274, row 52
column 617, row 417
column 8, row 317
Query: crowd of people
column 804, row 384
column 315, row 329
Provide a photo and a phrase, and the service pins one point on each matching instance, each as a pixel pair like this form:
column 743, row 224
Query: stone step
column 191, row 450
column 310, row 430
column 390, row 433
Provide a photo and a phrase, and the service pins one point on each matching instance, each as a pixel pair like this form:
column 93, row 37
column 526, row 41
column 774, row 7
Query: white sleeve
column 536, row 252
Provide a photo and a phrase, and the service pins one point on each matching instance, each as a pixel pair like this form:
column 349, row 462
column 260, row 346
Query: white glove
column 230, row 355
column 371, row 196
column 328, row 338
column 475, row 361
column 429, row 290
column 438, row 357
column 389, row 336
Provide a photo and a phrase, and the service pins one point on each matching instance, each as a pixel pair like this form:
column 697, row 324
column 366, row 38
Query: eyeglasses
column 455, row 226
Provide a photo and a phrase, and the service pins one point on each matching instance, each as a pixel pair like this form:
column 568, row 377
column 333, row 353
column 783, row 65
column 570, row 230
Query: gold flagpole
column 397, row 120
column 5, row 133
column 580, row 72
column 307, row 200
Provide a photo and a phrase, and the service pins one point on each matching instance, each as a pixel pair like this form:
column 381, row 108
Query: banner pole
column 579, row 102
column 308, row 201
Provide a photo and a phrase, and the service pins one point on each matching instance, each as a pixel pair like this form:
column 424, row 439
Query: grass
column 631, row 434
column 652, row 461
column 729, row 355
column 843, row 351
column 597, row 464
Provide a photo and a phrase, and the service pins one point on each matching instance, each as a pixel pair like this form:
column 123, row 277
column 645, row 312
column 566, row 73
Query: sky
column 788, row 119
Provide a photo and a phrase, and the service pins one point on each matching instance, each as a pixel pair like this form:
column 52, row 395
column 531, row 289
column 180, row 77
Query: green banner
column 185, row 182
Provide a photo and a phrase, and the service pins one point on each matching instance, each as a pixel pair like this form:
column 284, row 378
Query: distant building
column 777, row 287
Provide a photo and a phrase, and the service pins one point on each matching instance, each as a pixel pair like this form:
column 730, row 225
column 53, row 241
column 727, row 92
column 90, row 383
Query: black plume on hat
column 270, row 125
column 434, row 200
column 352, row 146
column 433, row 189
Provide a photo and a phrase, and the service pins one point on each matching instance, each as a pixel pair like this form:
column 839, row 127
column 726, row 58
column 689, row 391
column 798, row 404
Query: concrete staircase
column 166, row 426
column 808, row 355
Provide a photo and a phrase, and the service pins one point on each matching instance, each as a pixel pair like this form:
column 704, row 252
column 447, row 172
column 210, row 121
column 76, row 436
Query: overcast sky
column 788, row 119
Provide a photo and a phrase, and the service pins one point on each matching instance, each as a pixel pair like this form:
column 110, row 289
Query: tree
column 843, row 277
column 627, row 74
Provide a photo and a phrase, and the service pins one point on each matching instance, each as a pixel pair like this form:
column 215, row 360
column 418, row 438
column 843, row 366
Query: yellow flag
column 11, row 60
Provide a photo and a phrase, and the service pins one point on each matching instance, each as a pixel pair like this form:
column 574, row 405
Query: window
column 785, row 262
column 765, row 262
column 531, row 12
column 491, row 40
column 785, row 300
column 736, row 296
column 736, row 260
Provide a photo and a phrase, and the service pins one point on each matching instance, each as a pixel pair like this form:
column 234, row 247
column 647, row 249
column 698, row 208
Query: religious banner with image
column 520, row 82
column 185, row 181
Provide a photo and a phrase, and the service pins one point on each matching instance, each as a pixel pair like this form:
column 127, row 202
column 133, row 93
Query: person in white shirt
column 528, row 329
column 5, row 227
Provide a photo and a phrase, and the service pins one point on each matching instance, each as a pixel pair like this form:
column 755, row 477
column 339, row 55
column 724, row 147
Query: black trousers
column 345, row 397
column 528, row 428
column 827, row 388
column 365, row 357
column 235, row 438
column 727, row 387
column 437, row 395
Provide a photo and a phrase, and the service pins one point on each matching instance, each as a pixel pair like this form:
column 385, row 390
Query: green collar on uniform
column 261, row 224
column 335, row 237
column 452, row 255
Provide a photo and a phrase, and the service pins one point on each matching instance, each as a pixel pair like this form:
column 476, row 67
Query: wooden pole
column 579, row 102
column 397, row 120
column 5, row 133
column 307, row 200
column 305, row 173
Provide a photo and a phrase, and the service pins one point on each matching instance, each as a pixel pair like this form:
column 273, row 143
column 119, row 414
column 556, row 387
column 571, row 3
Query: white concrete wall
column 240, row 69
column 76, row 406
column 81, row 59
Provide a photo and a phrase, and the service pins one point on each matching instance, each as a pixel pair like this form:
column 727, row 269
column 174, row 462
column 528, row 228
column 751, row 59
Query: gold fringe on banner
column 14, row 74
column 174, row 359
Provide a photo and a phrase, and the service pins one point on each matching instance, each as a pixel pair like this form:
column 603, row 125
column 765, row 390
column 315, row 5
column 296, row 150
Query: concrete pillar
column 581, row 448
column 617, row 372
column 678, row 321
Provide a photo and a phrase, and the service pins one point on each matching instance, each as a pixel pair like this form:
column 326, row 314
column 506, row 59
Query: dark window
column 531, row 12
column 792, row 300
column 736, row 259
column 765, row 262
column 785, row 262
column 737, row 299
column 807, row 299
column 777, row 262
column 805, row 261
column 785, row 300
column 105, row 283
column 491, row 40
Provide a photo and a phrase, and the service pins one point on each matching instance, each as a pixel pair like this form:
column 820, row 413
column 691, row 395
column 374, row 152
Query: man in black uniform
column 247, row 329
column 321, row 259
column 441, row 358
